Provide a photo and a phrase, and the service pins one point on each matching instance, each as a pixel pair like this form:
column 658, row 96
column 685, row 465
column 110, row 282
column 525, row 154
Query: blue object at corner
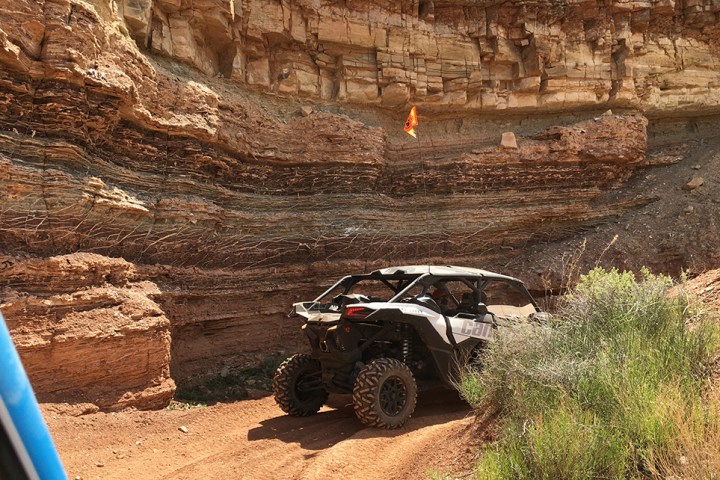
column 30, row 444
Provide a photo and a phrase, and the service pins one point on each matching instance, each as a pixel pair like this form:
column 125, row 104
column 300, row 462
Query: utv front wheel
column 384, row 393
column 297, row 386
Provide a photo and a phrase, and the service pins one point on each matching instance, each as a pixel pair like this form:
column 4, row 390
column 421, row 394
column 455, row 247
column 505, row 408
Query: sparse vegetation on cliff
column 616, row 386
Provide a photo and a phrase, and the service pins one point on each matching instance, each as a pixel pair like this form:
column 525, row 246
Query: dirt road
column 252, row 440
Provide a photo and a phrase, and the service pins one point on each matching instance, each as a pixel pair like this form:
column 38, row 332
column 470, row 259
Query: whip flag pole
column 410, row 124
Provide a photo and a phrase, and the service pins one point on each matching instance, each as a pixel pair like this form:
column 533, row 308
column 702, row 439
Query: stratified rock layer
column 313, row 210
column 127, row 130
column 87, row 332
column 518, row 55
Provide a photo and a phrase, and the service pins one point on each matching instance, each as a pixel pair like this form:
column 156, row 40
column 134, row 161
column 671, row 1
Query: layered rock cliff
column 210, row 162
column 88, row 332
column 654, row 55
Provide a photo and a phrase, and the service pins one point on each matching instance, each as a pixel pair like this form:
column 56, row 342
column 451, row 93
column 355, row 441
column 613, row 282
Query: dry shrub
column 694, row 451
column 614, row 387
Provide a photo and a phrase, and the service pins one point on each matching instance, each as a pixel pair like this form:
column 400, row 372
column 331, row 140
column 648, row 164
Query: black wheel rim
column 307, row 386
column 393, row 396
column 475, row 360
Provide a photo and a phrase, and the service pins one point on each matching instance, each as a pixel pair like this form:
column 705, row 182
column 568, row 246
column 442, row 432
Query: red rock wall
column 88, row 331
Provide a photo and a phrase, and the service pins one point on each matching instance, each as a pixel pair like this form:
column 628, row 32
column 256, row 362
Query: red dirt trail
column 253, row 440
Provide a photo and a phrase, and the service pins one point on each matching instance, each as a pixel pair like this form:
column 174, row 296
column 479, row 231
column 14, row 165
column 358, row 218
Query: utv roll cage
column 400, row 282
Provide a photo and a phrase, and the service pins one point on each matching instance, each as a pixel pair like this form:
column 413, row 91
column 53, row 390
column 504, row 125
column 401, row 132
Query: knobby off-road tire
column 476, row 358
column 385, row 393
column 297, row 386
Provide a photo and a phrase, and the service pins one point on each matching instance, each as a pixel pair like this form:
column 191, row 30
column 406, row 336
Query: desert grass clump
column 566, row 442
column 601, row 390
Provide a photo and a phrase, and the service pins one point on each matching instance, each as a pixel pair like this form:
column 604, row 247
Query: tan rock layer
column 706, row 287
column 86, row 332
column 655, row 55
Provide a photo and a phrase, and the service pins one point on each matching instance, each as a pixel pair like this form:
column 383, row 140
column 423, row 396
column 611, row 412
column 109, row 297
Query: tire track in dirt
column 253, row 440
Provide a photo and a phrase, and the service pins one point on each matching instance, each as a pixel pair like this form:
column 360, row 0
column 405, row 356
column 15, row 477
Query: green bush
column 564, row 443
column 589, row 395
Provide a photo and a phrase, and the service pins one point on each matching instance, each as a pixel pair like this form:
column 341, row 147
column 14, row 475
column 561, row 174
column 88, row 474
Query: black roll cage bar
column 406, row 281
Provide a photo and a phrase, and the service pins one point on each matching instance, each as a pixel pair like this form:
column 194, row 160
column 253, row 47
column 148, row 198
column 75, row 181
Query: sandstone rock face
column 87, row 332
column 200, row 207
column 215, row 211
column 656, row 56
column 706, row 287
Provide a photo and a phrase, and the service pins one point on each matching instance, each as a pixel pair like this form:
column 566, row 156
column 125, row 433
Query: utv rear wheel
column 385, row 393
column 297, row 386
column 476, row 357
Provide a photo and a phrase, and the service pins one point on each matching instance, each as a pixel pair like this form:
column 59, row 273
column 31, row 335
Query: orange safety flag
column 411, row 122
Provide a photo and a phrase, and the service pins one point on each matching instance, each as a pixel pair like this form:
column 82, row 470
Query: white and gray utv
column 384, row 335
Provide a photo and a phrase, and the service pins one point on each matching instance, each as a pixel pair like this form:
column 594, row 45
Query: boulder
column 508, row 140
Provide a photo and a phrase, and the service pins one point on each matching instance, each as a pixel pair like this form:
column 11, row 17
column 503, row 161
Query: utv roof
column 442, row 270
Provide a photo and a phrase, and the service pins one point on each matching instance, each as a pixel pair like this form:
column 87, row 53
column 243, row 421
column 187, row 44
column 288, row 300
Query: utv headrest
column 428, row 302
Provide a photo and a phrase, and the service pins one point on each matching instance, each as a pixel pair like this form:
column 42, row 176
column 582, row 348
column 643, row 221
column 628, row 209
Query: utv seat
column 468, row 303
column 468, row 306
